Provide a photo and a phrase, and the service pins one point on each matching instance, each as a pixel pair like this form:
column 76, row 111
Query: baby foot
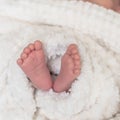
column 32, row 62
column 70, row 69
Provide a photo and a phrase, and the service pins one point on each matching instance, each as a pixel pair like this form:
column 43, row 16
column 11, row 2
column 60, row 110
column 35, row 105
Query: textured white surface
column 95, row 93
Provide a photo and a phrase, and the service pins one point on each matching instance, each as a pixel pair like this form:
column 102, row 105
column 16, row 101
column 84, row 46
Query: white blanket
column 95, row 93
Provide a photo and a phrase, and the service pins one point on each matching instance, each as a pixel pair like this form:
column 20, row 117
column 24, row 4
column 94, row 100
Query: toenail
column 74, row 51
column 71, row 46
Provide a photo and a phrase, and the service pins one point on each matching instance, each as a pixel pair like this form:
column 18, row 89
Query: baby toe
column 77, row 63
column 27, row 50
column 38, row 45
column 19, row 61
column 77, row 72
column 31, row 47
column 23, row 56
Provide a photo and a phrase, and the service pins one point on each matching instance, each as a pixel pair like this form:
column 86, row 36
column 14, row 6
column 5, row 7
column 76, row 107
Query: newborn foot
column 70, row 69
column 32, row 62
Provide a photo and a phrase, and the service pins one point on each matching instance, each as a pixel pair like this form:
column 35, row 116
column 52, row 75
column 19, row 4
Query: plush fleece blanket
column 94, row 95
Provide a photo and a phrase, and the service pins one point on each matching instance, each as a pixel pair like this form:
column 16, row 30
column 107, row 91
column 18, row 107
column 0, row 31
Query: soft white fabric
column 95, row 93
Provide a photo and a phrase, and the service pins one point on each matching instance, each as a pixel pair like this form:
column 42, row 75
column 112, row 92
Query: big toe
column 72, row 48
column 38, row 45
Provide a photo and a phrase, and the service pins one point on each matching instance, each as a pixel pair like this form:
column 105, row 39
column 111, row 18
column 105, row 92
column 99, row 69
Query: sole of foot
column 32, row 62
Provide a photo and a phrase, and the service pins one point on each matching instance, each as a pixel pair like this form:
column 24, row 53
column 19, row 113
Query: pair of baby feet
column 32, row 62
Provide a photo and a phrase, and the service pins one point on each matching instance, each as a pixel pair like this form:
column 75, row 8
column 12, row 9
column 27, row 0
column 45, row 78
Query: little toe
column 38, row 45
column 23, row 56
column 31, row 46
column 77, row 72
column 19, row 61
column 27, row 50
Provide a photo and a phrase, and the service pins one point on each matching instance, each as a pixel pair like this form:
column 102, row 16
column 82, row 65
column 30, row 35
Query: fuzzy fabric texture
column 57, row 23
